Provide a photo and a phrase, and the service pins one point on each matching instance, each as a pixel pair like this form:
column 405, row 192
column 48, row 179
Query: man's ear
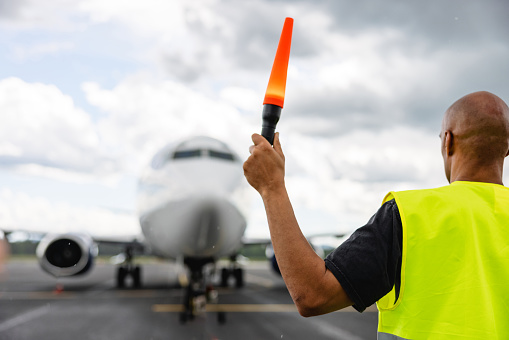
column 449, row 142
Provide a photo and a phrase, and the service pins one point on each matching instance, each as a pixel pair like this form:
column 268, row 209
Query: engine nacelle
column 66, row 254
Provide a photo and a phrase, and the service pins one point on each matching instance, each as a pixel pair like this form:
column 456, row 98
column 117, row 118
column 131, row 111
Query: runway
column 33, row 305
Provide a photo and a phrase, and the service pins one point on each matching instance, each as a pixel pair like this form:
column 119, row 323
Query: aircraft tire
column 225, row 274
column 137, row 277
column 121, row 274
column 221, row 318
column 238, row 273
column 183, row 317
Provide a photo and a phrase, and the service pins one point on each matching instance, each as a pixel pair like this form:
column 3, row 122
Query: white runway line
column 335, row 332
column 22, row 318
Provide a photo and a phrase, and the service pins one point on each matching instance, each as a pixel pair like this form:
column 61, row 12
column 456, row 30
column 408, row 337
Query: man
column 436, row 260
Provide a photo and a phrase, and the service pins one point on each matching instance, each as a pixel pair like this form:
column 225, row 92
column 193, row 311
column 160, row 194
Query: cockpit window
column 187, row 154
column 203, row 153
column 195, row 148
column 221, row 155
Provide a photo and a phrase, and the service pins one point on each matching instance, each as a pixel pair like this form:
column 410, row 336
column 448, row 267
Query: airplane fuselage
column 188, row 200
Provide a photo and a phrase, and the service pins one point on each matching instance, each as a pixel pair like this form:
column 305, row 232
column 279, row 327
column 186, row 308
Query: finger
column 277, row 145
column 251, row 148
column 257, row 139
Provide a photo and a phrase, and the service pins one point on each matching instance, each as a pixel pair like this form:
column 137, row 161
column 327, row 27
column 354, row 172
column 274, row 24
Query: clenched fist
column 265, row 168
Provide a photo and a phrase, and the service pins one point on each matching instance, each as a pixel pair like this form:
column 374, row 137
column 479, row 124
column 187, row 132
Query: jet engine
column 66, row 254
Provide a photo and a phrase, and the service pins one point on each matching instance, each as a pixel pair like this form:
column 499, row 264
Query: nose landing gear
column 198, row 294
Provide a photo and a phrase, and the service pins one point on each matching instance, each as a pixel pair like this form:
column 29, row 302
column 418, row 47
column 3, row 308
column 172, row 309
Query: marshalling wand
column 275, row 94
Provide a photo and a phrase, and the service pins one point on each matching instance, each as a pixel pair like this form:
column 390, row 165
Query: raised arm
column 313, row 288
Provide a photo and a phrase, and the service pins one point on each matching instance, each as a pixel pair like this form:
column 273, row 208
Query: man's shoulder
column 416, row 194
column 424, row 191
column 459, row 191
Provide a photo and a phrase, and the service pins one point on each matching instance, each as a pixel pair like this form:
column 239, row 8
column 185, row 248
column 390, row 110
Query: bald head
column 477, row 126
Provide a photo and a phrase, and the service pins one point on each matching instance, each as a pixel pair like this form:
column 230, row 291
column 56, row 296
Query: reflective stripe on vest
column 455, row 264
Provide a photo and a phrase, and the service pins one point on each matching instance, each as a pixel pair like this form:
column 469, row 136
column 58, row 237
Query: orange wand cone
column 275, row 94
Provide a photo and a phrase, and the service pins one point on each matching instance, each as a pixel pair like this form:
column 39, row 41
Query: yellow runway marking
column 236, row 308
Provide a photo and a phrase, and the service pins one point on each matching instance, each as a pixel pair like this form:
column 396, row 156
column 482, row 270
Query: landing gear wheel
column 186, row 316
column 123, row 272
column 188, row 313
column 238, row 274
column 136, row 277
column 225, row 274
column 183, row 317
column 127, row 268
column 221, row 318
column 121, row 275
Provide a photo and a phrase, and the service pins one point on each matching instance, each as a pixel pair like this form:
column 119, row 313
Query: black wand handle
column 270, row 116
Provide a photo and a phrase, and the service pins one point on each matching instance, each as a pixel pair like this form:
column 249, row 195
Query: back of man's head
column 479, row 123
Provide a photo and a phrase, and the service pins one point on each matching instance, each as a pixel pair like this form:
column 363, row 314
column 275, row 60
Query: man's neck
column 475, row 173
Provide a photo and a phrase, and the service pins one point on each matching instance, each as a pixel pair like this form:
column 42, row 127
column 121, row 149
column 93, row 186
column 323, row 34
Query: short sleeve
column 368, row 263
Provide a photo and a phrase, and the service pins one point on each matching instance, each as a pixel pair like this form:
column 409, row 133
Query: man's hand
column 265, row 168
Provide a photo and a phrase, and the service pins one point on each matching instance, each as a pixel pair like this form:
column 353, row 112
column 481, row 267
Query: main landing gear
column 232, row 271
column 128, row 269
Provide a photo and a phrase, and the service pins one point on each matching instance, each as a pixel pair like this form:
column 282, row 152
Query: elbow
column 308, row 307
column 309, row 304
column 307, row 313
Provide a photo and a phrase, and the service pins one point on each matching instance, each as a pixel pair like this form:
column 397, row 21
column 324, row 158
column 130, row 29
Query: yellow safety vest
column 455, row 264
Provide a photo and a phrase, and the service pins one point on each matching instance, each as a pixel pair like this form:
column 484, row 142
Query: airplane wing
column 136, row 241
column 310, row 238
column 321, row 243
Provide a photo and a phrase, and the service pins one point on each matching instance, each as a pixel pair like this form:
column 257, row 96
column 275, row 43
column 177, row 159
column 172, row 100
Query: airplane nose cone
column 205, row 226
column 206, row 229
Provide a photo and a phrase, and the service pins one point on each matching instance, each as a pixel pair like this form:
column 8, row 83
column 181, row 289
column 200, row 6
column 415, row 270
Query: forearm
column 303, row 271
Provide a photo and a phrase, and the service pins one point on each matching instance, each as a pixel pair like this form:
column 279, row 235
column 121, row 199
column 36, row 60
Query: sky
column 91, row 89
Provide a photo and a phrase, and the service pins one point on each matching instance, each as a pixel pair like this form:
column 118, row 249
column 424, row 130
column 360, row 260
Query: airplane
column 192, row 202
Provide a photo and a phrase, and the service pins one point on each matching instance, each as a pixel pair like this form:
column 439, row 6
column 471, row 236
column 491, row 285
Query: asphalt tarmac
column 34, row 305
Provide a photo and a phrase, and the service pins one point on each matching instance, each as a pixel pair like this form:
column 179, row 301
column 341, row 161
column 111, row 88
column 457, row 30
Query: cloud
column 196, row 40
column 376, row 76
column 347, row 176
column 141, row 116
column 42, row 128
column 10, row 9
column 23, row 15
column 21, row 53
column 362, row 65
column 49, row 132
column 434, row 22
column 21, row 211
column 48, row 135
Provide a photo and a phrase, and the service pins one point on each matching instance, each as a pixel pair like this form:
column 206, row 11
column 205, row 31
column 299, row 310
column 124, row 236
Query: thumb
column 258, row 139
column 277, row 145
